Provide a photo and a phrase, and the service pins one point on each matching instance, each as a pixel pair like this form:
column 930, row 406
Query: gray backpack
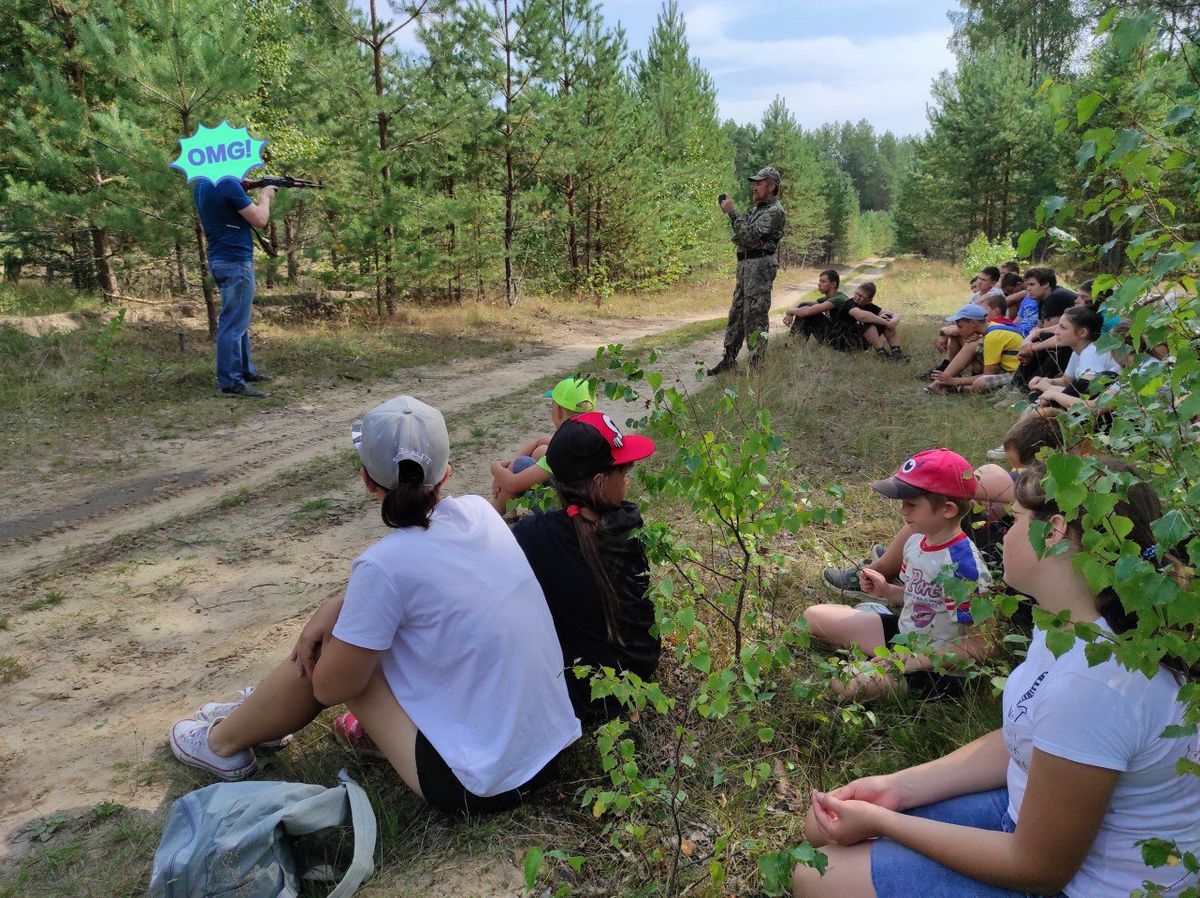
column 235, row 839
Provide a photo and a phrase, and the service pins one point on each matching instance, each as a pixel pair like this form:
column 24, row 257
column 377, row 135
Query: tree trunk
column 385, row 172
column 510, row 287
column 206, row 283
column 104, row 272
column 180, row 286
column 291, row 232
column 273, row 240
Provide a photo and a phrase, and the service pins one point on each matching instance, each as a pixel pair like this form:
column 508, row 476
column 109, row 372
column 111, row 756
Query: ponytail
column 592, row 536
column 1140, row 505
column 410, row 503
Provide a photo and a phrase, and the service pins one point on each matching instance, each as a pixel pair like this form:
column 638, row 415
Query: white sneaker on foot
column 189, row 743
column 211, row 712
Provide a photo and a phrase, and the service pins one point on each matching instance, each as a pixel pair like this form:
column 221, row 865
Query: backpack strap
column 362, row 819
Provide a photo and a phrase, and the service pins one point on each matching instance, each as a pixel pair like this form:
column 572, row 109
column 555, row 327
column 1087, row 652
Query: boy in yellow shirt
column 989, row 354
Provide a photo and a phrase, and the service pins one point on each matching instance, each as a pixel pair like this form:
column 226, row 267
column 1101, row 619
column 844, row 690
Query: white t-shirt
column 978, row 298
column 468, row 645
column 927, row 609
column 1111, row 717
column 1090, row 362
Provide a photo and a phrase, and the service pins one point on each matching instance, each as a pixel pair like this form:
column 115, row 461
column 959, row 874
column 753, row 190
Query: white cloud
column 823, row 78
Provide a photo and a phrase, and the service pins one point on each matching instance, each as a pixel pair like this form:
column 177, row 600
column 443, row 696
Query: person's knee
column 815, row 616
column 806, row 881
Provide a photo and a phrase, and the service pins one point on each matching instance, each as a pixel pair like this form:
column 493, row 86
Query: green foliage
column 982, row 252
column 1139, row 174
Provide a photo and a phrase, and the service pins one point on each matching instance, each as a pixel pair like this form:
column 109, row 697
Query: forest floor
column 149, row 566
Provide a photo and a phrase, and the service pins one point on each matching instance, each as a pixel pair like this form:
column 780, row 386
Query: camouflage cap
column 766, row 174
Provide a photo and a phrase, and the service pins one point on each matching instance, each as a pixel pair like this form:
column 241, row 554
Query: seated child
column 979, row 366
column 570, row 397
column 591, row 565
column 1028, row 436
column 1078, row 328
column 1023, row 309
column 935, row 488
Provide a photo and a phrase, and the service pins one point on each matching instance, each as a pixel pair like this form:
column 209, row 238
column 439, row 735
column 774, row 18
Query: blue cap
column 970, row 312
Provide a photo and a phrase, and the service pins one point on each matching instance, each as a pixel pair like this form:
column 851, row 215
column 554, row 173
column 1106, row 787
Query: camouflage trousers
column 751, row 303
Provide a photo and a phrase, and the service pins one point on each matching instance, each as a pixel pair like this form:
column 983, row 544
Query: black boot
column 728, row 363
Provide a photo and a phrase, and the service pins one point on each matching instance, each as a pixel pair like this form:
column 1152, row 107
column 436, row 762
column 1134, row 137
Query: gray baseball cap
column 766, row 174
column 402, row 429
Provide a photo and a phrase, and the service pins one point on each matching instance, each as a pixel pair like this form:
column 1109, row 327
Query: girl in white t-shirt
column 1059, row 796
column 442, row 648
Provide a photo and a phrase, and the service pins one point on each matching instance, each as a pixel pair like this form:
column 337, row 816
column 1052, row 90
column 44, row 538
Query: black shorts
column 928, row 683
column 443, row 789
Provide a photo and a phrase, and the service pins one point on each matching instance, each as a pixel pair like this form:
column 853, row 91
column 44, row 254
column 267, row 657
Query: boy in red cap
column 935, row 489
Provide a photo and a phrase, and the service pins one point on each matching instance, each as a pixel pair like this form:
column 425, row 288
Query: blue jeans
column 898, row 872
column 235, row 280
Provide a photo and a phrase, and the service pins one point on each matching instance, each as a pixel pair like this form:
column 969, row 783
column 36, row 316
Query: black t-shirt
column 1059, row 300
column 552, row 548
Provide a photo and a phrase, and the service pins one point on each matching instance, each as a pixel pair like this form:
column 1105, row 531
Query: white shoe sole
column 229, row 775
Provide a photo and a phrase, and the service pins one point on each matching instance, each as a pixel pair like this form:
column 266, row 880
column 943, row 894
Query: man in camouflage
column 756, row 236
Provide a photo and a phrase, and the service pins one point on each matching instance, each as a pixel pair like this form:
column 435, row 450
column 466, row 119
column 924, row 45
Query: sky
column 831, row 60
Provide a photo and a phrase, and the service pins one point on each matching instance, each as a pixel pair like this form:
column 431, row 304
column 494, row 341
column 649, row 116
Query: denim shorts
column 899, row 872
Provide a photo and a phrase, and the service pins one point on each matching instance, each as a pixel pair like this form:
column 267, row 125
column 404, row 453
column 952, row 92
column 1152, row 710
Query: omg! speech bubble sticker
column 220, row 152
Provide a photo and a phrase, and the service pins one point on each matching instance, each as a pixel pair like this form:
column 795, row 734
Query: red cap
column 932, row 471
column 590, row 444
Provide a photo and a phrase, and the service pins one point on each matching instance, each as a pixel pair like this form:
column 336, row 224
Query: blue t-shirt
column 220, row 208
column 1027, row 315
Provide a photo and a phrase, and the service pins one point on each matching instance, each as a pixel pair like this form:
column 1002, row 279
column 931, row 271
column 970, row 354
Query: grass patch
column 11, row 669
column 49, row 600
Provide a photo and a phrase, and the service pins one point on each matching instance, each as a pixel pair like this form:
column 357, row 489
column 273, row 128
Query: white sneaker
column 211, row 712
column 997, row 454
column 189, row 743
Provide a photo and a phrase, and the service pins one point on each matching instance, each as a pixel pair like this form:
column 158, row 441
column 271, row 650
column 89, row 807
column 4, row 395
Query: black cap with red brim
column 591, row 444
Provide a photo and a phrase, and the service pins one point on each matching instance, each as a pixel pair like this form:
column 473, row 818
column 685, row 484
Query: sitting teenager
column 1023, row 309
column 1078, row 329
column 980, row 366
column 1040, row 354
column 1057, row 800
column 590, row 564
column 1095, row 302
column 935, row 489
column 824, row 320
column 985, row 284
column 877, row 329
column 528, row 468
column 994, row 491
column 442, row 647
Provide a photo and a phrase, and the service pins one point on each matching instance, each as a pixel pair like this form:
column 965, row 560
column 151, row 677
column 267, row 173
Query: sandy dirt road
column 191, row 578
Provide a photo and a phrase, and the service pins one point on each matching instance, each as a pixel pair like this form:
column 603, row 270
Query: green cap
column 574, row 394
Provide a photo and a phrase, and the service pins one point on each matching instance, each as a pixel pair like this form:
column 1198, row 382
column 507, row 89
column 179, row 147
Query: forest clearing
column 944, row 510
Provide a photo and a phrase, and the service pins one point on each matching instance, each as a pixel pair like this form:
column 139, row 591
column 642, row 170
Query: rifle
column 281, row 181
column 277, row 181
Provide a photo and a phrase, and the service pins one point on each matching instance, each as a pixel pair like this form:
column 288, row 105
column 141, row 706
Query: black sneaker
column 258, row 378
column 843, row 581
column 729, row 363
column 897, row 355
column 245, row 391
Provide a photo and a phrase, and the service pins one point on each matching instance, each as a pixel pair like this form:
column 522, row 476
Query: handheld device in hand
column 721, row 198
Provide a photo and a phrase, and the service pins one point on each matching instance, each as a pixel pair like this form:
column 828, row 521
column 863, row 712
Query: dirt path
column 131, row 601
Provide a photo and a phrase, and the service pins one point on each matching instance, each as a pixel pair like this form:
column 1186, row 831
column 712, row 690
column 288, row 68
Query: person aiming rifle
column 228, row 216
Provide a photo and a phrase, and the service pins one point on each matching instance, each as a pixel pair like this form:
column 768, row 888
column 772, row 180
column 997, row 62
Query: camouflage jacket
column 759, row 229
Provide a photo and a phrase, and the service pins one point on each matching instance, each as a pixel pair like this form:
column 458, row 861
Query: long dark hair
column 592, row 536
column 1141, row 506
column 410, row 503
